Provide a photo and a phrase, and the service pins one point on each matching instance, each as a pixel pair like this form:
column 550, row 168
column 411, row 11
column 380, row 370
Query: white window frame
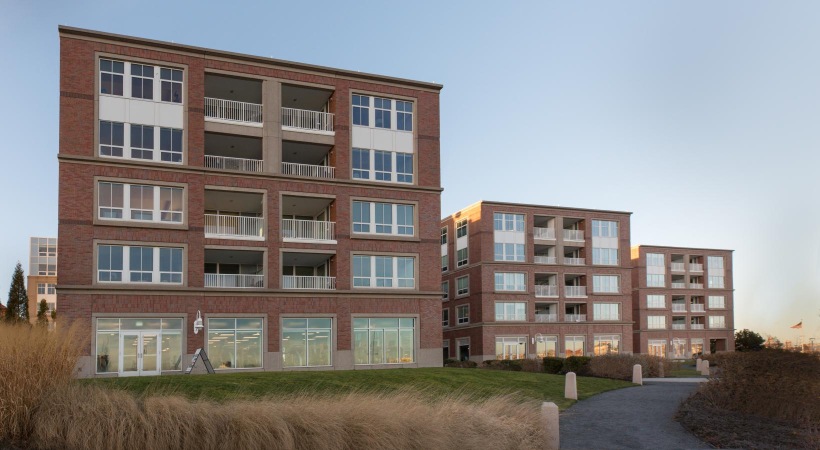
column 605, row 228
column 445, row 290
column 716, row 282
column 717, row 302
column 394, row 281
column 714, row 262
column 466, row 290
column 235, row 331
column 716, row 324
column 393, row 111
column 157, row 151
column 655, row 260
column 462, row 256
column 507, row 342
column 510, row 281
column 157, row 213
column 598, row 284
column 598, row 314
column 508, row 222
column 606, row 338
column 461, row 228
column 445, row 317
column 392, row 176
column 157, row 80
column 655, row 322
column 649, row 305
column 503, row 251
column 519, row 313
column 463, row 314
column 375, row 228
column 611, row 258
column 155, row 272
column 655, row 280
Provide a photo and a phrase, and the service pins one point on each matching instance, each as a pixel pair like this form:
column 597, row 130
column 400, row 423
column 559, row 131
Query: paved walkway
column 639, row 417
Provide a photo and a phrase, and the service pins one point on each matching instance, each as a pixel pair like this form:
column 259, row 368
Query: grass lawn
column 434, row 382
column 685, row 371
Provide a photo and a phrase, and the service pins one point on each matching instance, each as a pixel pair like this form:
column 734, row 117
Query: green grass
column 685, row 371
column 474, row 383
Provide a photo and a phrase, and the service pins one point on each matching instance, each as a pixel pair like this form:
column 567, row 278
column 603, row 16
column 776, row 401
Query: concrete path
column 639, row 417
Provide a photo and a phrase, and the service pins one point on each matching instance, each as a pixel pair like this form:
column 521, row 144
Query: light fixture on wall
column 198, row 324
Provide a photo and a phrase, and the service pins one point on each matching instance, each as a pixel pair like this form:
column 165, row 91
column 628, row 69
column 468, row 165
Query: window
column 679, row 348
column 112, row 138
column 604, row 228
column 383, row 109
column 546, row 346
column 605, row 284
column 142, row 81
column 715, row 262
column 143, row 203
column 716, row 282
column 655, row 301
column 574, row 345
column 461, row 257
column 404, row 167
column 404, row 115
column 510, row 281
column 169, row 340
column 461, row 228
column 111, row 76
column 605, row 256
column 463, row 314
column 383, row 340
column 654, row 260
column 306, row 342
column 444, row 262
column 655, row 280
column 142, row 142
column 509, row 252
column 445, row 291
column 717, row 322
column 445, row 317
column 508, row 222
column 361, row 163
column 509, row 311
column 657, row 347
column 384, row 165
column 170, row 145
column 384, row 271
column 462, row 286
column 656, row 322
column 717, row 302
column 41, row 289
column 141, row 264
column 171, row 85
column 606, row 344
column 511, row 347
column 606, row 311
column 235, row 343
column 696, row 346
column 361, row 110
column 51, row 289
column 443, row 235
column 383, row 218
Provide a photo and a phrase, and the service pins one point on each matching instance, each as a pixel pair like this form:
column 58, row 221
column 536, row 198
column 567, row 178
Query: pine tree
column 42, row 314
column 17, row 303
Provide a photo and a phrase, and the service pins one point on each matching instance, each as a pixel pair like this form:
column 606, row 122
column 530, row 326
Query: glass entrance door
column 139, row 353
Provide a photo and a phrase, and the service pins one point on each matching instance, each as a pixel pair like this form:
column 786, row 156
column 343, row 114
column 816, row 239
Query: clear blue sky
column 701, row 117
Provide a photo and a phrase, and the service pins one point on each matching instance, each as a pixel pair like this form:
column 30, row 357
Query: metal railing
column 678, row 326
column 678, row 308
column 677, row 267
column 302, row 282
column 697, row 307
column 693, row 267
column 546, row 290
column 574, row 261
column 229, row 163
column 308, row 230
column 575, row 317
column 510, row 317
column 695, row 285
column 232, row 110
column 575, row 291
column 696, row 326
column 543, row 233
column 538, row 259
column 308, row 170
column 219, row 225
column 303, row 119
column 678, row 285
column 573, row 235
column 545, row 318
column 216, row 280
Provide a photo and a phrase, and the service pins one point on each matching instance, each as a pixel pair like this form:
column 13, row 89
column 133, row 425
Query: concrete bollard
column 704, row 367
column 637, row 374
column 660, row 369
column 549, row 414
column 570, row 386
column 698, row 364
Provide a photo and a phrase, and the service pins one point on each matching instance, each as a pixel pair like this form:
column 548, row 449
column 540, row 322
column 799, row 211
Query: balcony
column 233, row 111
column 546, row 290
column 574, row 261
column 305, row 109
column 308, row 170
column 694, row 267
column 696, row 326
column 214, row 280
column 575, row 317
column 546, row 318
column 234, row 268
column 678, row 308
column 233, row 100
column 232, row 227
column 233, row 152
column 228, row 163
column 575, row 291
column 678, row 326
column 294, row 230
column 697, row 307
column 306, row 120
column 678, row 285
column 538, row 259
column 543, row 233
column 677, row 267
column 308, row 282
column 695, row 285
column 574, row 235
column 234, row 215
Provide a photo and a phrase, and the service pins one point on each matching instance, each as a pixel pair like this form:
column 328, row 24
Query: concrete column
column 549, row 414
column 704, row 367
column 698, row 364
column 570, row 386
column 272, row 121
column 637, row 374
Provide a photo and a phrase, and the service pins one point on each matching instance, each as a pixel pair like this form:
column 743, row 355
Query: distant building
column 41, row 282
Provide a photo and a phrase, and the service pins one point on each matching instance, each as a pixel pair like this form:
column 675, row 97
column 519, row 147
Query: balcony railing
column 220, row 226
column 575, row 291
column 510, row 317
column 233, row 111
column 575, row 317
column 695, row 285
column 573, row 235
column 678, row 308
column 545, row 317
column 308, row 230
column 308, row 170
column 697, row 307
column 305, row 120
column 215, row 280
column 678, row 285
column 301, row 282
column 678, row 326
column 695, row 267
column 696, row 326
column 538, row 259
column 228, row 163
column 546, row 290
column 543, row 233
column 574, row 261
column 677, row 267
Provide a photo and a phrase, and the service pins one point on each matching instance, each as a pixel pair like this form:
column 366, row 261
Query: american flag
column 798, row 326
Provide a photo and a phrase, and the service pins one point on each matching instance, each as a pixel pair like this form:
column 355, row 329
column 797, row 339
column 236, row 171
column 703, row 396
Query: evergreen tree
column 17, row 303
column 42, row 313
column 747, row 340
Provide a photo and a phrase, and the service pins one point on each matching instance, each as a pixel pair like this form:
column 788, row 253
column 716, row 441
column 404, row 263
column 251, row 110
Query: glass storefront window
column 235, row 343
column 384, row 340
column 306, row 342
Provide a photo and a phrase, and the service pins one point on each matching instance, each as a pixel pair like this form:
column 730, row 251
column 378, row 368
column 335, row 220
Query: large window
column 461, row 228
column 306, row 342
column 462, row 286
column 121, row 201
column 463, row 314
column 462, row 257
column 171, row 85
column 140, row 81
column 111, row 77
column 606, row 311
column 508, row 222
column 715, row 262
column 574, row 345
column 445, row 291
column 605, row 251
column 655, row 280
column 134, row 264
column 606, row 344
column 382, row 165
column 510, row 281
column 546, row 346
column 384, row 340
column 382, row 112
column 445, row 317
column 655, row 301
column 716, row 282
column 46, row 289
column 605, row 284
column 142, row 140
column 384, row 271
column 235, row 343
column 509, row 252
column 511, row 347
column 604, row 228
column 678, row 348
column 657, row 347
column 717, row 302
column 605, row 256
column 717, row 322
column 445, row 259
column 383, row 218
column 361, row 110
column 654, row 260
column 515, row 311
column 443, row 235
column 404, row 115
column 656, row 322
column 108, row 339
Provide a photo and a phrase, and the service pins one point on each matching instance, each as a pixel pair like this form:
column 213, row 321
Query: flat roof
column 527, row 205
column 72, row 31
column 671, row 247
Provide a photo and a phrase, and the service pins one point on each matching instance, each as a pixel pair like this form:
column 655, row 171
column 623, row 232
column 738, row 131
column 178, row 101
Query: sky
column 700, row 117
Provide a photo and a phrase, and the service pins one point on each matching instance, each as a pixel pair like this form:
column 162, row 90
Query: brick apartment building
column 41, row 282
column 682, row 302
column 295, row 206
column 525, row 281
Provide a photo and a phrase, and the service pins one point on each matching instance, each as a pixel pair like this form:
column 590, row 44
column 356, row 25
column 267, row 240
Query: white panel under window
column 717, row 322
column 717, row 302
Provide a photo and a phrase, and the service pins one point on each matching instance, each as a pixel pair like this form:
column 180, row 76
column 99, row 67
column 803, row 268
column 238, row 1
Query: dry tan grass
column 33, row 362
column 619, row 366
column 95, row 418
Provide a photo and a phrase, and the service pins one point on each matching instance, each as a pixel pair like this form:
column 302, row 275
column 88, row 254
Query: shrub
column 577, row 364
column 532, row 365
column 553, row 364
column 460, row 364
column 616, row 366
column 651, row 366
column 514, row 365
